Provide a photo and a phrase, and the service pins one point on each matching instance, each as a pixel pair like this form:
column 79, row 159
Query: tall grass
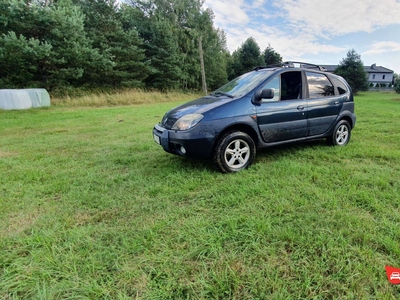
column 124, row 97
column 92, row 208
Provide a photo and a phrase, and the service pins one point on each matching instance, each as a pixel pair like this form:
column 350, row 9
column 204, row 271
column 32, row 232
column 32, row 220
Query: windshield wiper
column 217, row 94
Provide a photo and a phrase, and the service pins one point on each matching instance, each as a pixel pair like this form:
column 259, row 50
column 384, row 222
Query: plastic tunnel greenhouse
column 23, row 99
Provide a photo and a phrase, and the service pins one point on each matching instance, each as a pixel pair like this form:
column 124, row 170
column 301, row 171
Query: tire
column 341, row 134
column 234, row 152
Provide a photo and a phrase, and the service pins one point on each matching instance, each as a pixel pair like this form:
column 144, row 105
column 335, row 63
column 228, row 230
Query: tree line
column 62, row 45
column 156, row 44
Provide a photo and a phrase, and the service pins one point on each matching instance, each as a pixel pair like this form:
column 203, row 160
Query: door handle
column 337, row 102
column 300, row 107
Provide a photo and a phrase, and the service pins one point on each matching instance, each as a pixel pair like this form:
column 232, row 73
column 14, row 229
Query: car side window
column 340, row 86
column 274, row 84
column 291, row 87
column 319, row 85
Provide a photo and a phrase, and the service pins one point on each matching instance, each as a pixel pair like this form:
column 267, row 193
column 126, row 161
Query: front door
column 284, row 117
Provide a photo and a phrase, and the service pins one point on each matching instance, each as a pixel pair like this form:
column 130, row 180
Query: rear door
column 323, row 105
column 283, row 117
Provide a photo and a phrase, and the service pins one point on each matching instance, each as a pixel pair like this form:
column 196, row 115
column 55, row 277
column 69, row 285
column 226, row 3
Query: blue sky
column 315, row 31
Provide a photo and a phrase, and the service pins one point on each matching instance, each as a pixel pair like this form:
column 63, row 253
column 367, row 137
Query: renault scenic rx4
column 265, row 107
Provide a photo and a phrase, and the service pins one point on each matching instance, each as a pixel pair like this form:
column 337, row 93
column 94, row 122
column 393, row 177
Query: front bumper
column 191, row 143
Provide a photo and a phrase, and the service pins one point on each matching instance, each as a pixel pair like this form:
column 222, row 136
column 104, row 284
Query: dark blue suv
column 266, row 107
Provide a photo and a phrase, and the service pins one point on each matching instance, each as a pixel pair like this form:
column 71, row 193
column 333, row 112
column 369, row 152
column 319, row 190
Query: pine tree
column 250, row 55
column 245, row 58
column 172, row 31
column 47, row 43
column 271, row 57
column 352, row 69
column 73, row 58
column 23, row 50
column 118, row 43
column 20, row 60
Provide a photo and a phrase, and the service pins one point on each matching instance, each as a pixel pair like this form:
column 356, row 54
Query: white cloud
column 229, row 12
column 291, row 48
column 382, row 47
column 258, row 3
column 337, row 17
column 313, row 29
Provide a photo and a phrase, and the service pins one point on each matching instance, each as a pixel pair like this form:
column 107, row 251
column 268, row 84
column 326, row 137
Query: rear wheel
column 234, row 152
column 341, row 134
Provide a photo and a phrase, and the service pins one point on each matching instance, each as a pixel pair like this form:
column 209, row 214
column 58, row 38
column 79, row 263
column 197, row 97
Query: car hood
column 198, row 106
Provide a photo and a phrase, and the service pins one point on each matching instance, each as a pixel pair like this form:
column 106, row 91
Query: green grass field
column 92, row 208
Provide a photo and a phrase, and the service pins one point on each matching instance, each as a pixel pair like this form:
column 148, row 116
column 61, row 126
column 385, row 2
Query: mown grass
column 92, row 208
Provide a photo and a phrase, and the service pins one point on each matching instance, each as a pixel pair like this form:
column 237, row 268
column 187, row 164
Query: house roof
column 369, row 69
column 377, row 69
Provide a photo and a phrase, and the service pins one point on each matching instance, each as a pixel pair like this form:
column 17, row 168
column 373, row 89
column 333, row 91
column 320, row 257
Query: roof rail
column 290, row 64
column 259, row 68
column 268, row 66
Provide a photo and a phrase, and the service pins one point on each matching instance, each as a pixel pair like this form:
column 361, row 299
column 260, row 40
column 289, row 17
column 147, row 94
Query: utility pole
column 203, row 72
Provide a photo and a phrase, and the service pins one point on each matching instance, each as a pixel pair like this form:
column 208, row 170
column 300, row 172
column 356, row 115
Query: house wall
column 380, row 77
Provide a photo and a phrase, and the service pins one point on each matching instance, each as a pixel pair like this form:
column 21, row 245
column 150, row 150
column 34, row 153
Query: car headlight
column 188, row 121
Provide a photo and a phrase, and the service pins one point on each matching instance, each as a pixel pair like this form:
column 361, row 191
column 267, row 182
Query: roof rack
column 291, row 64
column 259, row 68
column 268, row 66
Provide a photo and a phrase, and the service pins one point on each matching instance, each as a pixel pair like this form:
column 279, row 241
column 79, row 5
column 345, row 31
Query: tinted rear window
column 319, row 85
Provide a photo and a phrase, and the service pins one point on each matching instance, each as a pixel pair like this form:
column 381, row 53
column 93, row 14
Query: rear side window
column 341, row 88
column 319, row 85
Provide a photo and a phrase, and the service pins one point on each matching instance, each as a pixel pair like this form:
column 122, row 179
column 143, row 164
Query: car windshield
column 243, row 84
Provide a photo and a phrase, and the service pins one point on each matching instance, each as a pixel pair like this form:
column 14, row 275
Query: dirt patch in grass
column 4, row 154
column 20, row 222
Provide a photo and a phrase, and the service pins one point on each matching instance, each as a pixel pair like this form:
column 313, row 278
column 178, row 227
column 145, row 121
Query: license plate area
column 156, row 139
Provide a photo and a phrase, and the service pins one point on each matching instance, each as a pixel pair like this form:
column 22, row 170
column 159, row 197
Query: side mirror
column 263, row 94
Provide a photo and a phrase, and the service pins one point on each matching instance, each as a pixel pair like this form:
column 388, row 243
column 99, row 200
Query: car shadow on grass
column 290, row 148
column 269, row 154
column 194, row 164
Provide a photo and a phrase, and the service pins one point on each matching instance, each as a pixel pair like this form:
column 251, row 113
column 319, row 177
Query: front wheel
column 234, row 152
column 341, row 134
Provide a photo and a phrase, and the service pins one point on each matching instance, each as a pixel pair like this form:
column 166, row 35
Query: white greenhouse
column 23, row 99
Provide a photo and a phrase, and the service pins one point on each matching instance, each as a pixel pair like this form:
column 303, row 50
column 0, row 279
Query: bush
column 397, row 85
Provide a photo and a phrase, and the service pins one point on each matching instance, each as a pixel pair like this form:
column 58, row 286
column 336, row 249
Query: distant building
column 377, row 75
